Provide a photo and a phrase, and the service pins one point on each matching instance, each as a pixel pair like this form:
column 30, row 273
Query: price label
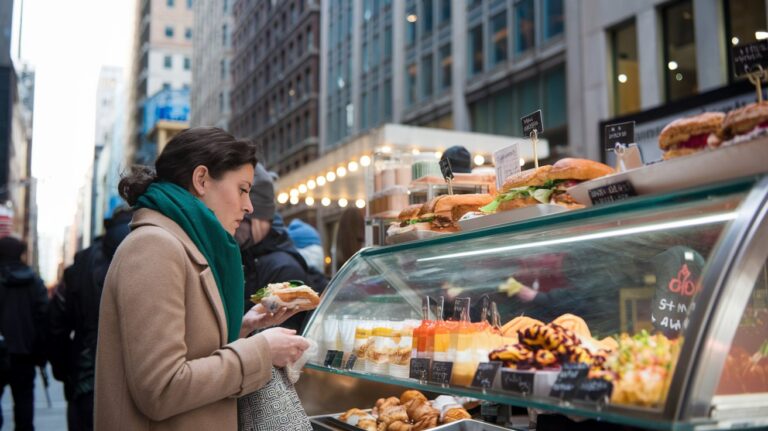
column 568, row 379
column 330, row 358
column 612, row 192
column 507, row 163
column 532, row 122
column 440, row 372
column 594, row 390
column 486, row 374
column 621, row 133
column 749, row 58
column 445, row 168
column 351, row 362
column 517, row 381
column 419, row 369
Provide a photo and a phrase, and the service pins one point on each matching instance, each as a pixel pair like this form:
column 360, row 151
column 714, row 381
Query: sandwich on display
column 439, row 215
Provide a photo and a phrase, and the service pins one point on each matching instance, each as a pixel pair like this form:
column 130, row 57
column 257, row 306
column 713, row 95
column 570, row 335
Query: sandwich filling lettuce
column 265, row 291
column 426, row 218
column 542, row 193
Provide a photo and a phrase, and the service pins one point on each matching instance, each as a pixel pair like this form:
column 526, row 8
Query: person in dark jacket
column 268, row 253
column 23, row 307
column 75, row 311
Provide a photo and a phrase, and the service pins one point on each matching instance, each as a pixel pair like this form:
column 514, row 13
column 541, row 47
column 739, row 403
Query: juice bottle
column 465, row 364
column 419, row 342
column 442, row 335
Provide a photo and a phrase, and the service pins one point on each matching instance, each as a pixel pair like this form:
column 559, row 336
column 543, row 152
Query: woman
column 169, row 355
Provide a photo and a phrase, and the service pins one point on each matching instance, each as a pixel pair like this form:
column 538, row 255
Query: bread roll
column 411, row 395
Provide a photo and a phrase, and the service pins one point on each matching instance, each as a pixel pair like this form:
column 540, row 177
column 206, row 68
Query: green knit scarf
column 216, row 244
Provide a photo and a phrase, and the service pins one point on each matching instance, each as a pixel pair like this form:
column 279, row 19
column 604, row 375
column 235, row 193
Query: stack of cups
column 330, row 334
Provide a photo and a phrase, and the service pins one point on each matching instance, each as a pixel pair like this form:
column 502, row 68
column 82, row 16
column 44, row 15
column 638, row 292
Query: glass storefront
column 679, row 51
column 626, row 73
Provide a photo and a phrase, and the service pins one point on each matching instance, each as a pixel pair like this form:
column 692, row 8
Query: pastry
column 513, row 356
column 689, row 135
column 574, row 323
column 455, row 414
column 422, row 414
column 517, row 324
column 744, row 120
column 411, row 395
column 545, row 359
column 383, row 403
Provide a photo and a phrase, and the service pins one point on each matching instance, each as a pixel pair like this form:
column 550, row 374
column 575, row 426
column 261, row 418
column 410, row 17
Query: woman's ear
column 199, row 178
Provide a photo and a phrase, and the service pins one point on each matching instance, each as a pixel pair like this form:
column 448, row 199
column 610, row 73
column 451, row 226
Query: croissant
column 456, row 414
column 383, row 403
column 393, row 414
column 399, row 426
column 352, row 412
column 368, row 424
column 411, row 395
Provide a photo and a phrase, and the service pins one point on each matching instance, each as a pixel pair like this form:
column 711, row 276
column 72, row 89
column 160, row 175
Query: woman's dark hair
column 212, row 147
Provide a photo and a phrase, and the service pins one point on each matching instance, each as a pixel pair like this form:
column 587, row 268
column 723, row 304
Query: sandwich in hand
column 440, row 214
column 546, row 185
column 289, row 294
column 690, row 135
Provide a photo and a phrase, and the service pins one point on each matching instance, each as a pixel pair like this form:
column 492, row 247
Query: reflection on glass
column 410, row 89
column 746, row 20
column 499, row 37
column 427, row 11
column 526, row 35
column 445, row 12
column 475, row 46
column 679, row 51
column 446, row 62
column 553, row 18
column 626, row 79
column 746, row 368
column 410, row 27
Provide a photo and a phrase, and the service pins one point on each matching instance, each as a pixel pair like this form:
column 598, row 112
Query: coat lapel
column 146, row 216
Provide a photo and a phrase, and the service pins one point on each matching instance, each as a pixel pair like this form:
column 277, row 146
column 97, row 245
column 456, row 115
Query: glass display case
column 650, row 312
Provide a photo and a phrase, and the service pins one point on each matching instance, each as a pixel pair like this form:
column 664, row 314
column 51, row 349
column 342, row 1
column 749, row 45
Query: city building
column 162, row 61
column 107, row 97
column 275, row 72
column 453, row 64
column 211, row 59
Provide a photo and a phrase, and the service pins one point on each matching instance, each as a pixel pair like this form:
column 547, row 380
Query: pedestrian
column 23, row 301
column 170, row 355
column 459, row 158
column 269, row 256
column 74, row 317
column 307, row 242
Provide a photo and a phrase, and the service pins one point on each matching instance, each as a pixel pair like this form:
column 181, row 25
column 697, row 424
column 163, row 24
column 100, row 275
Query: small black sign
column 440, row 372
column 749, row 58
column 337, row 359
column 594, row 390
column 517, row 381
column 621, row 133
column 485, row 374
column 532, row 122
column 612, row 192
column 419, row 368
column 330, row 357
column 351, row 362
column 568, row 380
column 445, row 168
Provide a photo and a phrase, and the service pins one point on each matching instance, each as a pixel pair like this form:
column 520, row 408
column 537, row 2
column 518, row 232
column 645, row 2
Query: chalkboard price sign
column 440, row 372
column 594, row 390
column 485, row 374
column 419, row 369
column 612, row 192
column 351, row 362
column 532, row 122
column 749, row 58
column 445, row 168
column 567, row 382
column 621, row 133
column 333, row 358
column 517, row 381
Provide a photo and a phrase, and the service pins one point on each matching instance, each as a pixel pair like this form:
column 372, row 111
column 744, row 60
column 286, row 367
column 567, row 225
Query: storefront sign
column 507, row 163
column 440, row 373
column 750, row 58
column 419, row 369
column 612, row 192
column 621, row 133
column 485, row 374
column 568, row 380
column 517, row 381
column 594, row 390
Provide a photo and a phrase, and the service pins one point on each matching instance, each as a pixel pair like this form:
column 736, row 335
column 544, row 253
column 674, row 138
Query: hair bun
column 135, row 183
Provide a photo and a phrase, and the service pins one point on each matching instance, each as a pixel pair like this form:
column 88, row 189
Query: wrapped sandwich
column 290, row 294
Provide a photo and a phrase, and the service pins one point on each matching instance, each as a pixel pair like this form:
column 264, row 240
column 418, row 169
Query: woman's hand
column 258, row 317
column 284, row 345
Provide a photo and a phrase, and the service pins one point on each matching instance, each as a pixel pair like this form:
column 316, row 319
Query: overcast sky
column 67, row 42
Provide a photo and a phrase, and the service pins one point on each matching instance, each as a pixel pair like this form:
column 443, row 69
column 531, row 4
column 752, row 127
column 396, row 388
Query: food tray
column 504, row 217
column 329, row 422
column 706, row 167
column 414, row 235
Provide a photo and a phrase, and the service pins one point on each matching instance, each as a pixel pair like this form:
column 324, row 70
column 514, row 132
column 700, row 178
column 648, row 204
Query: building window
column 223, row 67
column 446, row 63
column 364, row 111
column 626, row 74
column 225, row 6
column 225, row 35
column 745, row 20
column 387, row 92
column 169, row 3
column 499, row 37
column 679, row 51
column 427, row 71
column 376, row 50
column 189, row 4
column 168, row 31
column 410, row 84
column 388, row 42
column 475, row 46
column 554, row 98
column 427, row 11
column 188, row 34
column 187, row 63
column 168, row 62
column 526, row 34
column 166, row 85
column 374, row 110
column 221, row 102
column 410, row 27
column 553, row 18
column 310, row 39
column 445, row 12
column 471, row 4
column 365, row 57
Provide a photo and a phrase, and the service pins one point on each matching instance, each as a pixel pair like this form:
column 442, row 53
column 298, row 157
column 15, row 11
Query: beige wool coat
column 163, row 362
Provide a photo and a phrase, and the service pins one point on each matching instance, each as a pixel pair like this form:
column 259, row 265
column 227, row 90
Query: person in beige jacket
column 170, row 354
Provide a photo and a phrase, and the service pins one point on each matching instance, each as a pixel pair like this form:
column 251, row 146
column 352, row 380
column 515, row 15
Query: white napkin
column 293, row 369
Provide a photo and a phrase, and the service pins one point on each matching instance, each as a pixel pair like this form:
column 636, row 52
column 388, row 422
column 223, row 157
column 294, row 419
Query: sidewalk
column 46, row 419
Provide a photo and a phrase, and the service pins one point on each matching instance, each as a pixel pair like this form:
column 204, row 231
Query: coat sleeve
column 150, row 293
